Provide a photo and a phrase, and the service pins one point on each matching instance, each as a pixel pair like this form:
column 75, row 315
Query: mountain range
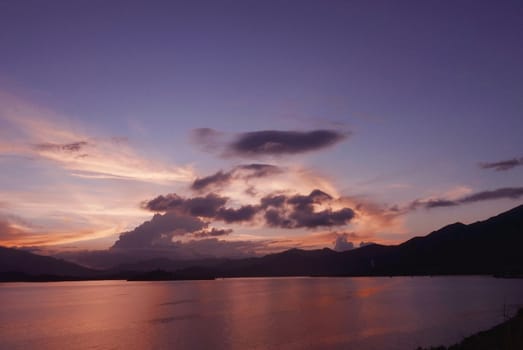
column 492, row 246
column 20, row 265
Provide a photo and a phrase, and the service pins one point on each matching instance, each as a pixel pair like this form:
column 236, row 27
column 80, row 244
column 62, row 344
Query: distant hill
column 20, row 265
column 191, row 273
column 165, row 264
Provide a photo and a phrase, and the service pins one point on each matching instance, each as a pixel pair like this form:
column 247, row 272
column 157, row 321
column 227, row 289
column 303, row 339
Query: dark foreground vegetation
column 506, row 336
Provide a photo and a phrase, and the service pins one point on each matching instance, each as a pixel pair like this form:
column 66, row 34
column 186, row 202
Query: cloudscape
column 211, row 134
column 261, row 174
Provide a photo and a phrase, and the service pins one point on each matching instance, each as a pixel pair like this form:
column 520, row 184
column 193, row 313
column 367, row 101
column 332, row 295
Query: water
column 268, row 313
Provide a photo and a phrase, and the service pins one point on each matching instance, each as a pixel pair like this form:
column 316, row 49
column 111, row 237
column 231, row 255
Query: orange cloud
column 15, row 235
column 34, row 131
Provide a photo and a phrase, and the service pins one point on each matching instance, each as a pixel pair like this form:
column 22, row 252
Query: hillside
column 492, row 246
column 21, row 265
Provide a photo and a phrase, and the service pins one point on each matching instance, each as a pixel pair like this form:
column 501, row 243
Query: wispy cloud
column 213, row 232
column 61, row 206
column 39, row 133
column 14, row 234
column 65, row 212
column 500, row 193
column 241, row 172
column 502, row 165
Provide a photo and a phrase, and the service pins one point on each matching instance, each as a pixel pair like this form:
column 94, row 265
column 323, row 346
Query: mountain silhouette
column 491, row 247
column 19, row 265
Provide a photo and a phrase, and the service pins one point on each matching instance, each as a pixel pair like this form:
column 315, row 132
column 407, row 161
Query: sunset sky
column 231, row 128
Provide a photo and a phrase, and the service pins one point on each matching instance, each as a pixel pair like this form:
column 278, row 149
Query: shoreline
column 507, row 335
column 160, row 275
column 197, row 273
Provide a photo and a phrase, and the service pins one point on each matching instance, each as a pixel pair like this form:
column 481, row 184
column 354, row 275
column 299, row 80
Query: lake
column 254, row 313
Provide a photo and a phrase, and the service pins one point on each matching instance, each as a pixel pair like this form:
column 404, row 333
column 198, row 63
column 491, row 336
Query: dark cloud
column 230, row 215
column 207, row 206
column 163, row 203
column 159, row 231
column 66, row 147
column 303, row 202
column 500, row 193
column 342, row 243
column 204, row 206
column 279, row 210
column 275, row 142
column 266, row 142
column 276, row 218
column 211, row 206
column 214, row 232
column 502, row 165
column 257, row 170
column 182, row 229
column 273, row 201
column 243, row 172
column 435, row 203
column 308, row 218
column 219, row 178
column 298, row 211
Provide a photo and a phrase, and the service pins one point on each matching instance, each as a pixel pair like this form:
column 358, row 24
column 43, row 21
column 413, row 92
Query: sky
column 233, row 128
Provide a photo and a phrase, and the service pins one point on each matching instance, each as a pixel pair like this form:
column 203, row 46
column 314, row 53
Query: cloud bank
column 178, row 216
column 279, row 210
column 159, row 231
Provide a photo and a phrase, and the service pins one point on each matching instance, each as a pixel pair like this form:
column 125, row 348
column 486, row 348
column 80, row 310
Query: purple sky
column 406, row 113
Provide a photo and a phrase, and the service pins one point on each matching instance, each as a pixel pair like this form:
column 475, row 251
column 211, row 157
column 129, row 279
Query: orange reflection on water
column 264, row 313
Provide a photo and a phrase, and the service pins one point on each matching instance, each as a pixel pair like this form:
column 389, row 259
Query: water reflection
column 284, row 313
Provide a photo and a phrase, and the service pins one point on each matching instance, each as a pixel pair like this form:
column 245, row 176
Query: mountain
column 492, row 246
column 21, row 265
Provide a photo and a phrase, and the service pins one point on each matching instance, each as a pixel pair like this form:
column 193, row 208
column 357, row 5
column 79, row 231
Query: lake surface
column 265, row 313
